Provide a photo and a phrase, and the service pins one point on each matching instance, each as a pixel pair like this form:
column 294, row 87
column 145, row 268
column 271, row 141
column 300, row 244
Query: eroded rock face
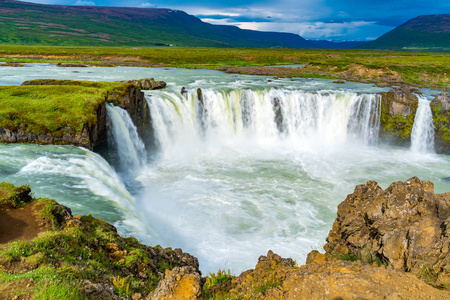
column 406, row 226
column 276, row 278
column 440, row 107
column 132, row 100
column 180, row 283
column 398, row 111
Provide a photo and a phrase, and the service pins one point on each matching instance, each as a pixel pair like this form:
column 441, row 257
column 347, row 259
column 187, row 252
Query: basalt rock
column 440, row 107
column 406, row 227
column 398, row 110
column 131, row 98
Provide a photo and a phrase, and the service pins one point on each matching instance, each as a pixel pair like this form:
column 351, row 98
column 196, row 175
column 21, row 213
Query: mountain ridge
column 23, row 23
column 427, row 32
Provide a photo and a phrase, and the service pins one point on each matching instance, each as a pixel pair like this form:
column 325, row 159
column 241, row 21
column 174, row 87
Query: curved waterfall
column 264, row 116
column 422, row 135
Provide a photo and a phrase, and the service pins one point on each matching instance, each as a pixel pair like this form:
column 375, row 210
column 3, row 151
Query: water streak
column 123, row 136
column 422, row 135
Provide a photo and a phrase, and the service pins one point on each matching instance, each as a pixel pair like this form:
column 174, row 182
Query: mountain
column 422, row 33
column 324, row 44
column 23, row 23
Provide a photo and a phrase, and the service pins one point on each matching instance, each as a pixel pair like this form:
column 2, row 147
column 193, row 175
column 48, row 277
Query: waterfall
column 263, row 117
column 422, row 135
column 123, row 136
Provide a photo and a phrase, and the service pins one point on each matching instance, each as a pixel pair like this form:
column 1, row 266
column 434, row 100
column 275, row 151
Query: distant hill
column 431, row 33
column 323, row 44
column 23, row 23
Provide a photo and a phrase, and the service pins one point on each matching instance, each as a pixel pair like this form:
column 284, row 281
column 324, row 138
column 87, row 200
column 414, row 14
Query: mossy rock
column 13, row 196
column 440, row 108
column 398, row 110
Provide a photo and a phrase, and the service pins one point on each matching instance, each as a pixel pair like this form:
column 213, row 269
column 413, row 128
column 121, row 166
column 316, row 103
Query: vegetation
column 390, row 67
column 54, row 108
column 423, row 33
column 37, row 24
column 14, row 196
column 77, row 255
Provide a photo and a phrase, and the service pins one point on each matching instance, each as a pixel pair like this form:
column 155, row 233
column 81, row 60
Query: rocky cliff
column 57, row 130
column 440, row 107
column 406, row 227
column 398, row 111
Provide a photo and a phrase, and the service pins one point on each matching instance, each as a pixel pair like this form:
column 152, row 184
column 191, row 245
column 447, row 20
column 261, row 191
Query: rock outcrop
column 406, row 227
column 276, row 278
column 84, row 255
column 148, row 84
column 129, row 97
column 440, row 107
column 398, row 110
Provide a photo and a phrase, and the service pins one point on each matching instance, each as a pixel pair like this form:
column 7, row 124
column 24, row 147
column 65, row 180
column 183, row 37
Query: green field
column 390, row 67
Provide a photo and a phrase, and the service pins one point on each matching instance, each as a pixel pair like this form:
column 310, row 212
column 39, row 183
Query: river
column 229, row 177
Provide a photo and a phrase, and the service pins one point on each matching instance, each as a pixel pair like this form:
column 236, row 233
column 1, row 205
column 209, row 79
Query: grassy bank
column 42, row 109
column 393, row 67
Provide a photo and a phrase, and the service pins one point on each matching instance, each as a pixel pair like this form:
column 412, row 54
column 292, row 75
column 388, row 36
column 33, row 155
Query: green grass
column 14, row 196
column 54, row 109
column 49, row 284
column 418, row 69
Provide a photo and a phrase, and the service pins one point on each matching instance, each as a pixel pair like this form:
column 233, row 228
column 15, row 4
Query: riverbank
column 424, row 70
column 69, row 112
column 81, row 257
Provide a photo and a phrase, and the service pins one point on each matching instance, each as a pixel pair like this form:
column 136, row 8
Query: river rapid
column 259, row 163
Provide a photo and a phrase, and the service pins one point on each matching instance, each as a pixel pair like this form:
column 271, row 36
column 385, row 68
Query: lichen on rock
column 398, row 110
column 405, row 226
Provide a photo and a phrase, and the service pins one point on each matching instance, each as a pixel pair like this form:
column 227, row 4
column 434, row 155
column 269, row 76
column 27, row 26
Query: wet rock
column 71, row 65
column 406, row 227
column 339, row 81
column 440, row 108
column 398, row 110
column 148, row 84
column 180, row 283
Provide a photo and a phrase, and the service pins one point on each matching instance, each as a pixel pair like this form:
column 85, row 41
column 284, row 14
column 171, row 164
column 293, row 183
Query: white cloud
column 313, row 30
column 85, row 3
column 147, row 5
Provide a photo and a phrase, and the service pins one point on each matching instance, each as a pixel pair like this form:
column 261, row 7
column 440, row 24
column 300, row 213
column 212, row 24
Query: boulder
column 406, row 227
column 180, row 283
column 148, row 84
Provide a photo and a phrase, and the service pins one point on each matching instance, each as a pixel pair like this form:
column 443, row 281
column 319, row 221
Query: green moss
column 48, row 284
column 396, row 128
column 56, row 106
column 14, row 196
column 87, row 248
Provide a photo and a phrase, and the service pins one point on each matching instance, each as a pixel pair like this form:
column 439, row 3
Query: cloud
column 147, row 5
column 85, row 3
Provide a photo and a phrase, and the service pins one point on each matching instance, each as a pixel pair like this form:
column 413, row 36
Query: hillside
column 422, row 33
column 23, row 23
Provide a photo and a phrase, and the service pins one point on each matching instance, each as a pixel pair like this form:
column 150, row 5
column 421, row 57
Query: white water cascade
column 125, row 139
column 263, row 118
column 422, row 135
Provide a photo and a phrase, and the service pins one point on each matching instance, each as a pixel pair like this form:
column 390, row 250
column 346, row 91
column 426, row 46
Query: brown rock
column 405, row 226
column 180, row 283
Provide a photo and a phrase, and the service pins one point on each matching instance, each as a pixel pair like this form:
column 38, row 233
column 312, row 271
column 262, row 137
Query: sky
column 336, row 20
